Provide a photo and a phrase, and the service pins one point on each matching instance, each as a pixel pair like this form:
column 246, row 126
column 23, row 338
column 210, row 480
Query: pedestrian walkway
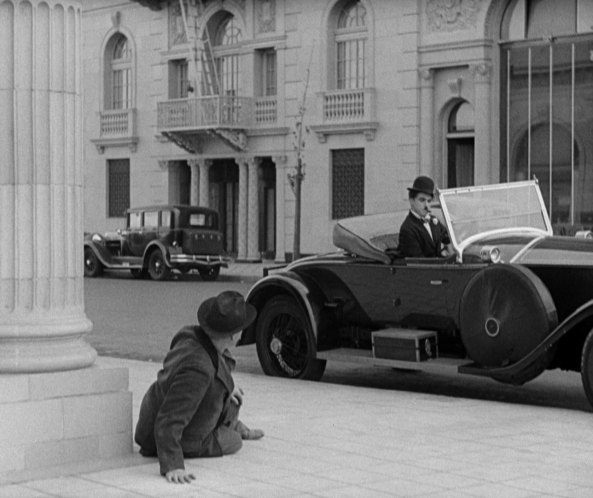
column 327, row 440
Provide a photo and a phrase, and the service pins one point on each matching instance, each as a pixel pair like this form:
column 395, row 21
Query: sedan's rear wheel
column 157, row 266
column 209, row 273
column 92, row 266
column 285, row 343
column 587, row 367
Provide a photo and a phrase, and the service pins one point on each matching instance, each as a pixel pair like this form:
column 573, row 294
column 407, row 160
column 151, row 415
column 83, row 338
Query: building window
column 222, row 75
column 546, row 103
column 267, row 72
column 350, row 41
column 118, row 66
column 118, row 187
column 347, row 183
column 460, row 146
column 178, row 79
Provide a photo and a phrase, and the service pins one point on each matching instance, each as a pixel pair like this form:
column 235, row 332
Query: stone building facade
column 201, row 102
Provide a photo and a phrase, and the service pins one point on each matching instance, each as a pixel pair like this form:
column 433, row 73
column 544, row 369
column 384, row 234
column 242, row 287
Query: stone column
column 42, row 319
column 483, row 131
column 253, row 253
column 242, row 222
column 204, row 197
column 59, row 412
column 195, row 181
column 280, row 198
column 427, row 120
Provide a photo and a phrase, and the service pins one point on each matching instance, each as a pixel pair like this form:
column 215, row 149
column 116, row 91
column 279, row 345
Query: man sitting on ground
column 192, row 409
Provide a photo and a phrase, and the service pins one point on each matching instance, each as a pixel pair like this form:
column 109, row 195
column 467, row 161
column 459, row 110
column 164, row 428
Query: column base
column 62, row 418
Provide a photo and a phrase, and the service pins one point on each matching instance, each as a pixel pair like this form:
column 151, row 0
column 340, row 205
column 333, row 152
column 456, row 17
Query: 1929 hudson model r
column 512, row 301
column 157, row 240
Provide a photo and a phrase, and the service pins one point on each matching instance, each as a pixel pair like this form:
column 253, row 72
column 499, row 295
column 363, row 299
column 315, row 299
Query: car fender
column 101, row 252
column 288, row 283
column 156, row 245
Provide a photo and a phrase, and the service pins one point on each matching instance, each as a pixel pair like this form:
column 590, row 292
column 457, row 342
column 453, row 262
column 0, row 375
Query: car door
column 133, row 233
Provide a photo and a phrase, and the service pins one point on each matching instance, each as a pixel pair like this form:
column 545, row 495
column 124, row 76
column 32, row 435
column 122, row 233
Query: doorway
column 224, row 197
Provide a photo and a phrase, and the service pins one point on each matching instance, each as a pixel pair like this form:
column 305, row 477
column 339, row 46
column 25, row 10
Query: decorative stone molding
column 482, row 73
column 163, row 164
column 455, row 86
column 176, row 28
column 426, row 75
column 266, row 16
column 116, row 19
column 452, row 15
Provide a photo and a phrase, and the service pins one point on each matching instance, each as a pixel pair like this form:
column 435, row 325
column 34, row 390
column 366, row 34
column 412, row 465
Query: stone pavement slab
column 327, row 440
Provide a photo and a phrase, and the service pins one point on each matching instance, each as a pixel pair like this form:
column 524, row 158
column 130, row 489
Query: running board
column 365, row 356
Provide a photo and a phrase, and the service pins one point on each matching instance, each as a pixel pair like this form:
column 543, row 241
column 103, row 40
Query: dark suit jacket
column 181, row 411
column 414, row 241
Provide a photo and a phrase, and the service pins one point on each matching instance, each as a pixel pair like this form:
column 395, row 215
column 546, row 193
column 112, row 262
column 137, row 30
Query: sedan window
column 135, row 220
column 151, row 219
column 166, row 219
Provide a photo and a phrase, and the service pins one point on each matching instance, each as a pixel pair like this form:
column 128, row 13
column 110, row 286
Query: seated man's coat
column 416, row 242
column 182, row 413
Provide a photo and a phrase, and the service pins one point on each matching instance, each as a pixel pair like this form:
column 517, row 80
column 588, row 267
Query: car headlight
column 97, row 239
column 490, row 254
column 584, row 234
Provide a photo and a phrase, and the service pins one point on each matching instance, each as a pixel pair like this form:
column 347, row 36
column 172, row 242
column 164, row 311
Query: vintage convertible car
column 510, row 302
column 157, row 240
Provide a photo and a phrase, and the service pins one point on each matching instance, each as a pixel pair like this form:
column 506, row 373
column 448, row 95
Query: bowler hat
column 225, row 314
column 423, row 184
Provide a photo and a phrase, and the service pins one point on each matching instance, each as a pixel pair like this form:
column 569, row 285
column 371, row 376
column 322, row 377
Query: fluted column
column 194, row 181
column 280, row 215
column 42, row 319
column 484, row 173
column 253, row 210
column 427, row 120
column 242, row 221
column 204, row 197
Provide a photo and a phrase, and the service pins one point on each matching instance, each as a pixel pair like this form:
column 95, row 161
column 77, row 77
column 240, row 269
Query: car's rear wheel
column 285, row 343
column 92, row 266
column 139, row 273
column 587, row 367
column 210, row 273
column 157, row 266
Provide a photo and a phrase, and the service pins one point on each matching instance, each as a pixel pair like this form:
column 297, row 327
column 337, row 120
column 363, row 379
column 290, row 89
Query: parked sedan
column 157, row 240
column 512, row 301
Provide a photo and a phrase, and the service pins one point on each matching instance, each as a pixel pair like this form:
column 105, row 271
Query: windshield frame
column 460, row 244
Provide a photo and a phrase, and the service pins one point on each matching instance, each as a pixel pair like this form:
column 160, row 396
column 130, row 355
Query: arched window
column 546, row 74
column 225, row 50
column 350, row 44
column 460, row 146
column 118, row 77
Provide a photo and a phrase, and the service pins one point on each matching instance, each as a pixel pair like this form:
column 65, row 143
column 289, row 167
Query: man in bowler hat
column 192, row 409
column 421, row 234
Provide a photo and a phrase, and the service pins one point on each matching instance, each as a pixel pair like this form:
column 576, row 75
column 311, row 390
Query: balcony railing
column 346, row 111
column 117, row 123
column 266, row 110
column 341, row 106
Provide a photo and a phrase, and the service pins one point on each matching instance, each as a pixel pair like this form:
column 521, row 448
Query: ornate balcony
column 346, row 111
column 183, row 121
column 117, row 127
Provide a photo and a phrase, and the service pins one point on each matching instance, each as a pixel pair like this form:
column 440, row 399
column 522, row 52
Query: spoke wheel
column 587, row 367
column 157, row 267
column 285, row 343
column 210, row 273
column 92, row 265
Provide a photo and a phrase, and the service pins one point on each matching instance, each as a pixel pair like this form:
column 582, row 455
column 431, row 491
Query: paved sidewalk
column 327, row 440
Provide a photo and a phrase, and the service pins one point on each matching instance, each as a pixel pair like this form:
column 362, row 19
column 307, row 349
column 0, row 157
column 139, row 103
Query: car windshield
column 473, row 210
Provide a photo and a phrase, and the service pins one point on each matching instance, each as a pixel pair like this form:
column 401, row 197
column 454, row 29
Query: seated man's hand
column 179, row 476
column 237, row 396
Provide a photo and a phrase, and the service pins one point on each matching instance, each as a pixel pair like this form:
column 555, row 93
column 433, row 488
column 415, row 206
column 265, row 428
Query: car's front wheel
column 157, row 266
column 285, row 343
column 587, row 367
column 209, row 273
column 92, row 265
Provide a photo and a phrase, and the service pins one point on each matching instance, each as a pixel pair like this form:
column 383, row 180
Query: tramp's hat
column 226, row 314
column 423, row 184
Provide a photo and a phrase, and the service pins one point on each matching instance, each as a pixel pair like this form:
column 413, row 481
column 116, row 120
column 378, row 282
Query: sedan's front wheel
column 587, row 367
column 157, row 266
column 92, row 265
column 285, row 343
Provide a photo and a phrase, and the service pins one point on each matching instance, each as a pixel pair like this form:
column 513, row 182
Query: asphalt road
column 136, row 319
